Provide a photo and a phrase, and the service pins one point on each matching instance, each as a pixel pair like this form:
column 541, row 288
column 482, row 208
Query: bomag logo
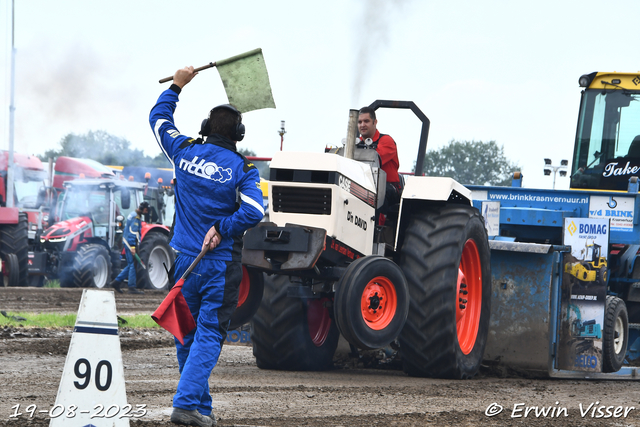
column 207, row 170
column 592, row 229
column 344, row 183
column 572, row 228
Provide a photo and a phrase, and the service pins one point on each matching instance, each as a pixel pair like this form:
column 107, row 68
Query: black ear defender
column 238, row 131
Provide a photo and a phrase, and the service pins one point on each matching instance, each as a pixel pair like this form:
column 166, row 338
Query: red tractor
column 19, row 223
column 84, row 248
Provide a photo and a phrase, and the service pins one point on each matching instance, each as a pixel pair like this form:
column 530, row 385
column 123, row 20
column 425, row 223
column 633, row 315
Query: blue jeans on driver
column 129, row 271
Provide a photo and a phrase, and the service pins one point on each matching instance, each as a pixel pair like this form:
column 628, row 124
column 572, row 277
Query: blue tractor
column 540, row 243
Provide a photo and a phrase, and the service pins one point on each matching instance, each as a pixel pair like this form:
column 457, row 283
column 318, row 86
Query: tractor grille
column 316, row 201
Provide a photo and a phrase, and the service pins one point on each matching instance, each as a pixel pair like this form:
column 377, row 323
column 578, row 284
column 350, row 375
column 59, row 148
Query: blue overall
column 214, row 186
column 131, row 235
column 211, row 291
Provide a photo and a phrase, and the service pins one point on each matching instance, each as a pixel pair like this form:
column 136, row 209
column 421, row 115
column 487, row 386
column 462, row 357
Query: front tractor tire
column 155, row 253
column 14, row 239
column 371, row 302
column 446, row 259
column 291, row 333
column 10, row 270
column 92, row 267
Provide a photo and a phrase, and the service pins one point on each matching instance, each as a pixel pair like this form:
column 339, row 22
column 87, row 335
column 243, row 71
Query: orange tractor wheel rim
column 379, row 303
column 245, row 286
column 319, row 320
column 469, row 297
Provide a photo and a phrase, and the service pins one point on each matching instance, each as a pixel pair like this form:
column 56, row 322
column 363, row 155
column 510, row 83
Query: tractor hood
column 68, row 229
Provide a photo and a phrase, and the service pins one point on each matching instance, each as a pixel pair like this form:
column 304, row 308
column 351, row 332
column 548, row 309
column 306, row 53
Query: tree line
column 468, row 162
column 108, row 150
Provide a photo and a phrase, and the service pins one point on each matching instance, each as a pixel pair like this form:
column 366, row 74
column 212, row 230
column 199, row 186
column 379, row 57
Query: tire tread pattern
column 83, row 264
column 430, row 257
column 14, row 239
column 280, row 332
column 150, row 241
column 614, row 307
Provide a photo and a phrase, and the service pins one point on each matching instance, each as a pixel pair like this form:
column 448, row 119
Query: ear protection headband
column 238, row 130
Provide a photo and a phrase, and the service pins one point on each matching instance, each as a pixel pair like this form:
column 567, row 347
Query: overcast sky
column 480, row 70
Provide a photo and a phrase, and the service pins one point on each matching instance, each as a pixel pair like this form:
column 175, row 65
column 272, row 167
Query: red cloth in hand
column 174, row 315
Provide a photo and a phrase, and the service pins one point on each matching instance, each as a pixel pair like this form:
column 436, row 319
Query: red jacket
column 386, row 148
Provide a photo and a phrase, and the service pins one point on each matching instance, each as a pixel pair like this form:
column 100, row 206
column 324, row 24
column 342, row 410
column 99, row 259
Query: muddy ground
column 357, row 392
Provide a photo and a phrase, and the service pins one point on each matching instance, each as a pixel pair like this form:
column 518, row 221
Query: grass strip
column 57, row 320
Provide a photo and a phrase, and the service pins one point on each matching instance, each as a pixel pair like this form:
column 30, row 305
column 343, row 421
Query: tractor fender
column 146, row 227
column 420, row 192
column 93, row 240
column 156, row 228
column 9, row 215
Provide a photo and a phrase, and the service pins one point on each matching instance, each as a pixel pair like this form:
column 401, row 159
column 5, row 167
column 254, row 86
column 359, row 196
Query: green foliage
column 51, row 283
column 57, row 320
column 106, row 149
column 471, row 163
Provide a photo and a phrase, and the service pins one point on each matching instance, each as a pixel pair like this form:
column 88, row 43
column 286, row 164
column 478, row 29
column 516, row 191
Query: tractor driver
column 370, row 137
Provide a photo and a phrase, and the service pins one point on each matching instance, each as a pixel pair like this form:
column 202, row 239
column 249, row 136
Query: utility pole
column 12, row 110
column 548, row 168
column 281, row 132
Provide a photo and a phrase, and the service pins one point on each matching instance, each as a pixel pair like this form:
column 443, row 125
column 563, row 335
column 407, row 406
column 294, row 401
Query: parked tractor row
column 72, row 230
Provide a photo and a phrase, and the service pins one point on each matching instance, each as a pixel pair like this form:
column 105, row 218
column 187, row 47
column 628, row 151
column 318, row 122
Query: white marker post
column 92, row 389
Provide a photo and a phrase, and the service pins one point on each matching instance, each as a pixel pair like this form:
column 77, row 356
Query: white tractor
column 421, row 278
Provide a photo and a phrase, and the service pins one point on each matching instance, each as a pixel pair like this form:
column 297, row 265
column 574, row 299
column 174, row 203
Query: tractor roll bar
column 424, row 133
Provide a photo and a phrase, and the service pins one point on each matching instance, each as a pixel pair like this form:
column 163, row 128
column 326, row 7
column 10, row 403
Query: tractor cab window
column 28, row 184
column 607, row 148
column 169, row 202
column 91, row 202
column 135, row 198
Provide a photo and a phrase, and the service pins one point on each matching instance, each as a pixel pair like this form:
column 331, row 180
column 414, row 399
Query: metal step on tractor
column 420, row 278
column 560, row 256
column 84, row 249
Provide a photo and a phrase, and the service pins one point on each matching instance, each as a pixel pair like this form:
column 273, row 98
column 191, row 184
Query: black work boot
column 116, row 285
column 190, row 418
column 136, row 291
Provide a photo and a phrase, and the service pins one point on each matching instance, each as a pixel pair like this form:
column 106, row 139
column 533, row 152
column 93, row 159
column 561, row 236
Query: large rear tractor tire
column 155, row 253
column 14, row 239
column 446, row 260
column 292, row 334
column 249, row 297
column 10, row 270
column 615, row 338
column 92, row 267
column 371, row 302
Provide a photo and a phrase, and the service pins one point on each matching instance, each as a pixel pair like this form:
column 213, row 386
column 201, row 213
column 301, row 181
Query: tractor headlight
column 57, row 239
column 584, row 80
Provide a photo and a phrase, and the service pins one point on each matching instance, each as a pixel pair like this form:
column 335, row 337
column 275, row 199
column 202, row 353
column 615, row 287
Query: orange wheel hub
column 379, row 303
column 469, row 297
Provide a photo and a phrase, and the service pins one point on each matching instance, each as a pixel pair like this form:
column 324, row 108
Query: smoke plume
column 372, row 37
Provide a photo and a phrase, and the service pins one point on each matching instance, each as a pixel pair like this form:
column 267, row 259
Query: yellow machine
column 589, row 271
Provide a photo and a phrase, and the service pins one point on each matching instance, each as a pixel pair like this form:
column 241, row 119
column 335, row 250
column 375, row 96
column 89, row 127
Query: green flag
column 246, row 81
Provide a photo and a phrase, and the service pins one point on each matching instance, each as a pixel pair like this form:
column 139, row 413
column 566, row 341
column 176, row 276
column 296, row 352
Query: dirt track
column 349, row 395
